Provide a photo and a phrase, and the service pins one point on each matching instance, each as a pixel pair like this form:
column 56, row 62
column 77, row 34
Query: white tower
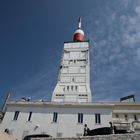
column 74, row 75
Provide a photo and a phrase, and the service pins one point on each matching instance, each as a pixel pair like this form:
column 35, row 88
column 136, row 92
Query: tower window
column 64, row 89
column 80, row 117
column 117, row 116
column 68, row 88
column 126, row 117
column 135, row 118
column 97, row 118
column 72, row 88
column 76, row 88
column 16, row 115
column 55, row 116
column 30, row 115
column 73, row 79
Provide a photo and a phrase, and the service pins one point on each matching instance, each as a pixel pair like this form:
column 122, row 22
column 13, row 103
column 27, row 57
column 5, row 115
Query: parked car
column 107, row 131
column 28, row 137
column 100, row 131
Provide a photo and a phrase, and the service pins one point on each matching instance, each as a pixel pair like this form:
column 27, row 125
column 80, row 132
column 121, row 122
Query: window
column 73, row 79
column 72, row 88
column 97, row 118
column 16, row 115
column 126, row 117
column 82, row 94
column 117, row 116
column 55, row 116
column 135, row 118
column 76, row 88
column 30, row 115
column 67, row 88
column 59, row 94
column 80, row 117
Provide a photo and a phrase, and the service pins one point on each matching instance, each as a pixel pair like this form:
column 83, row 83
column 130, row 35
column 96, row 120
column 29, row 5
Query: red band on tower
column 79, row 33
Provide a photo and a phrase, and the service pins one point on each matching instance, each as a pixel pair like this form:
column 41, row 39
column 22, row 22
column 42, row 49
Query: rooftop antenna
column 79, row 33
column 130, row 98
column 79, row 23
column 5, row 102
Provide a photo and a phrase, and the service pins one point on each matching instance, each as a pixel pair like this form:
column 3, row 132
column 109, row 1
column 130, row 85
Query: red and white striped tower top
column 79, row 33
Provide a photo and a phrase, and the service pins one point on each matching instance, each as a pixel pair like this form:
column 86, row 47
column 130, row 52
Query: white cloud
column 114, row 34
column 138, row 54
column 137, row 10
column 116, row 51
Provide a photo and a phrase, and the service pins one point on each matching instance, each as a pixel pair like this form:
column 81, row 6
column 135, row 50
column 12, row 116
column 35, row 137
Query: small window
column 97, row 118
column 55, row 116
column 76, row 88
column 126, row 117
column 72, row 88
column 67, row 88
column 135, row 118
column 73, row 79
column 30, row 115
column 80, row 117
column 16, row 115
column 117, row 116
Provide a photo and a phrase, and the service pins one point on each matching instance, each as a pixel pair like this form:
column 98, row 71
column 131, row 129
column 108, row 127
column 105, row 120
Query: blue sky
column 32, row 33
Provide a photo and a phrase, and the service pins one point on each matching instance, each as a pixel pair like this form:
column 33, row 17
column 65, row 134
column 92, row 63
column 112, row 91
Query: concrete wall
column 107, row 137
column 66, row 126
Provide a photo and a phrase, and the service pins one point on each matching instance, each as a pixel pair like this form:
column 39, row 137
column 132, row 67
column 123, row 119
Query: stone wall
column 107, row 137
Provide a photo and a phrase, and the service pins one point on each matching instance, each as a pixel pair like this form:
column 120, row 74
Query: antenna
column 129, row 98
column 79, row 33
column 79, row 23
column 5, row 102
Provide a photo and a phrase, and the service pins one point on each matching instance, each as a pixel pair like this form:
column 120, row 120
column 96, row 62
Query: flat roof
column 60, row 104
column 73, row 104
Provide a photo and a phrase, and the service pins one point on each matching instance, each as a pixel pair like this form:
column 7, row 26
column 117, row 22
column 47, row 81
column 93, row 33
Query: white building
column 71, row 105
column 126, row 115
column 74, row 76
column 68, row 119
column 55, row 119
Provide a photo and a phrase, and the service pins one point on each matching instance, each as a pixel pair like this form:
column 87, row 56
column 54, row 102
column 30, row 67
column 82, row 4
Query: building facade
column 68, row 119
column 71, row 106
column 126, row 115
column 55, row 119
column 74, row 75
